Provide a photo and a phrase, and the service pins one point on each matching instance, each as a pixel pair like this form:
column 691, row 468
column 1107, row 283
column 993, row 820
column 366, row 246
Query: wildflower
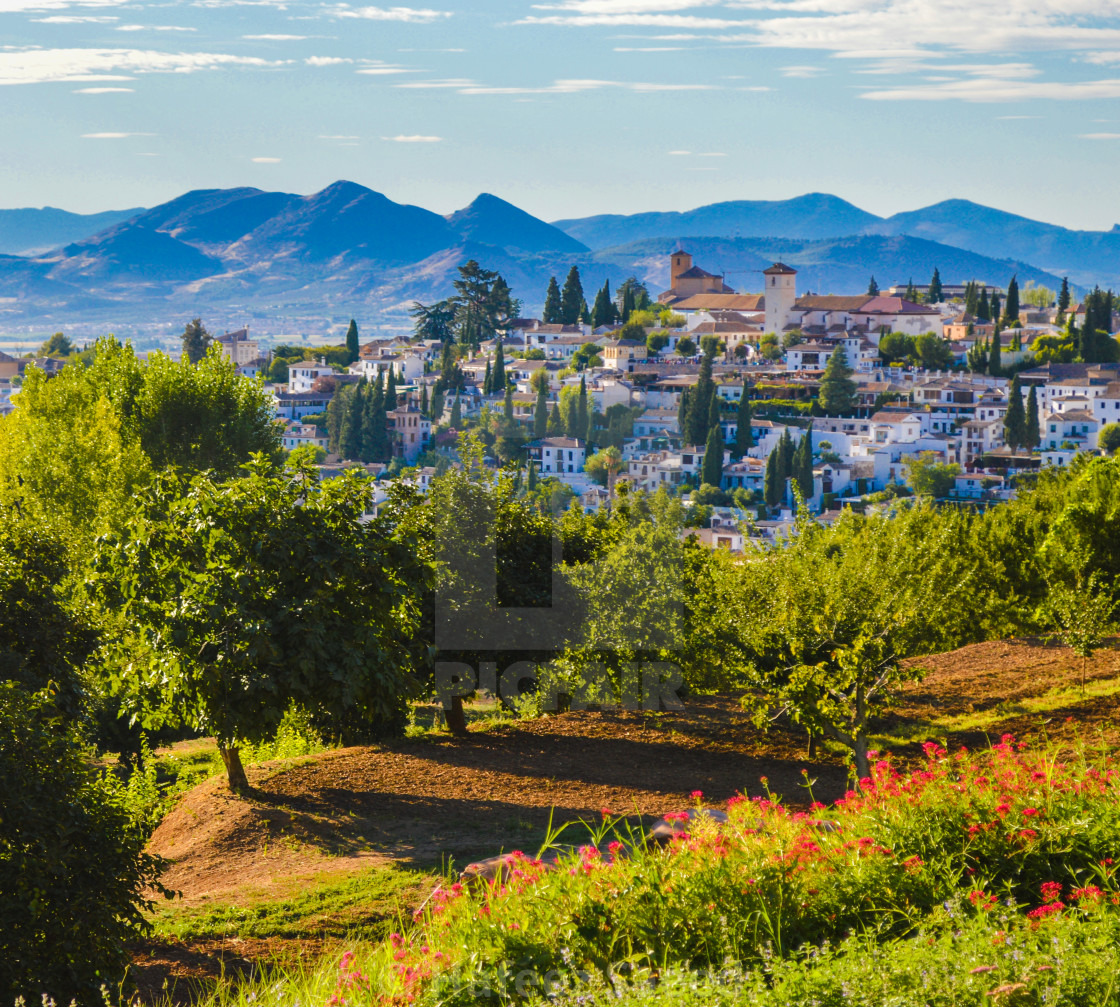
column 1029, row 812
column 1051, row 891
column 1090, row 893
column 979, row 970
column 614, row 847
column 605, row 812
column 696, row 795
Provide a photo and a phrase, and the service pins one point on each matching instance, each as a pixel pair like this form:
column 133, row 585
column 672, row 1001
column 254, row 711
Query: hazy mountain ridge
column 350, row 250
column 29, row 230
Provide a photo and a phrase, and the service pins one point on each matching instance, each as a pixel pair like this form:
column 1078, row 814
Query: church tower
column 679, row 262
column 780, row 294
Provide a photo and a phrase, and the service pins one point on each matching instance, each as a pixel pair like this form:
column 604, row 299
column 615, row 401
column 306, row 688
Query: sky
column 567, row 108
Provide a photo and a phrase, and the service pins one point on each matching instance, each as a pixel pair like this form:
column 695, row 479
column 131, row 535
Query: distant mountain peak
column 491, row 220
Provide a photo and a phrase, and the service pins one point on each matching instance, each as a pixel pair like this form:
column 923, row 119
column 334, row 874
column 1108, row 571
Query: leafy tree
column 74, row 876
column 895, row 347
column 482, row 303
column 978, row 357
column 632, row 295
column 1011, row 305
column 352, row 348
column 934, row 352
column 1081, row 615
column 1108, row 440
column 1015, row 419
column 712, row 469
column 655, row 341
column 785, row 457
column 935, row 294
column 431, row 321
column 582, row 413
column 507, row 406
column 1032, row 422
column 838, row 390
column 686, row 347
column 929, row 477
column 572, row 302
column 264, row 592
column 196, row 341
column 59, row 345
column 872, row 287
column 552, row 312
column 744, row 436
column 1038, row 296
column 1096, row 344
column 994, row 308
column 823, row 626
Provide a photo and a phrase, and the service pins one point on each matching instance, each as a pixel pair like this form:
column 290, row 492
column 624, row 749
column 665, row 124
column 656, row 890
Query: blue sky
column 569, row 107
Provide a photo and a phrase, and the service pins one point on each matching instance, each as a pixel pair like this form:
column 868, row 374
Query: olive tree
column 259, row 593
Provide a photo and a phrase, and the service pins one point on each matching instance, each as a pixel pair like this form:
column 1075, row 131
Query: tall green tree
column 498, row 381
column 911, row 294
column 972, row 299
column 196, row 341
column 264, row 592
column 552, row 311
column 1011, row 305
column 350, row 435
column 540, row 413
column 603, row 312
column 785, row 456
column 352, row 348
column 995, row 308
column 744, row 436
column 936, row 295
column 555, row 421
column 804, row 474
column 488, row 380
column 711, row 471
column 1015, row 420
column 700, row 402
column 872, row 287
column 433, row 321
column 456, row 414
column 1032, row 424
column 838, row 389
column 482, row 303
column 994, row 365
column 983, row 309
column 1063, row 299
column 572, row 302
column 582, row 412
column 507, row 405
column 773, row 483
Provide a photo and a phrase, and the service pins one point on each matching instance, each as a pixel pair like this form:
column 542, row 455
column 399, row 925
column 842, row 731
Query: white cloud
column 112, row 136
column 18, row 6
column 266, row 160
column 626, row 6
column 650, row 48
column 574, row 86
column 76, row 19
column 104, row 90
column 633, row 20
column 152, row 27
column 449, row 83
column 410, row 15
column 413, row 139
column 989, row 89
column 384, row 69
column 806, row 72
column 35, row 66
column 275, row 38
column 326, row 60
column 1100, row 136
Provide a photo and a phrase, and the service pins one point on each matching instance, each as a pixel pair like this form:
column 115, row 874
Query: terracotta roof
column 830, row 302
column 779, row 269
column 895, row 306
column 696, row 273
column 722, row 302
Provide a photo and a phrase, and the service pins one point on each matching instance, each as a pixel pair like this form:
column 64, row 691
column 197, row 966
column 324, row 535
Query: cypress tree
column 581, row 410
column 555, row 421
column 540, row 414
column 994, row 366
column 487, row 380
column 551, row 314
column 744, row 437
column 683, row 408
column 1014, row 420
column 507, row 407
column 911, row 291
column 1033, row 428
column 391, row 390
column 585, row 314
column 838, row 390
column 352, row 348
column 627, row 303
column 1011, row 308
column 699, row 409
column 571, row 298
column 983, row 312
column 1063, row 298
column 437, row 406
column 424, row 399
column 531, row 483
column 456, row 414
column 350, row 438
column 773, row 487
column 714, row 413
column 872, row 287
column 498, row 380
column 995, row 307
column 603, row 313
column 936, row 294
column 785, row 457
column 589, row 433
column 972, row 299
column 712, row 470
column 374, row 434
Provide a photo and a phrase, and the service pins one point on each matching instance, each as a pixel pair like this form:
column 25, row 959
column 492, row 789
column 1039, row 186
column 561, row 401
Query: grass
column 368, row 906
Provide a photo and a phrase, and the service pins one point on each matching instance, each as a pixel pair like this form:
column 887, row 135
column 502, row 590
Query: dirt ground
column 421, row 803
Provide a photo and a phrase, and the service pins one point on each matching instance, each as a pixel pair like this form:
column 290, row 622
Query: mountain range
column 287, row 262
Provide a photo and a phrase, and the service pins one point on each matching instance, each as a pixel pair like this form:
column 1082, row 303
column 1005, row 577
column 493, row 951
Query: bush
column 72, row 864
column 1108, row 440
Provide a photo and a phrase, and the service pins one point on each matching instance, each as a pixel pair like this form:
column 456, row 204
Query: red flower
column 696, row 795
column 1051, row 891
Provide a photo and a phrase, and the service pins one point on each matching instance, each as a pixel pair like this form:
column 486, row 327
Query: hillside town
column 747, row 405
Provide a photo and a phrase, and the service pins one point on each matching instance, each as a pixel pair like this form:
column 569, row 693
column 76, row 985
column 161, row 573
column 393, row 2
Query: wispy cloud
column 74, row 18
column 276, row 38
column 153, row 27
column 34, row 66
column 377, row 69
column 1099, row 136
column 410, row 15
column 573, row 86
column 413, row 139
column 112, row 136
column 104, row 90
column 806, row 72
column 327, row 60
column 266, row 160
column 992, row 89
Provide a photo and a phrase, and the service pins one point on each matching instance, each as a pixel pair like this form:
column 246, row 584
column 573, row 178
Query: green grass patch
column 368, row 905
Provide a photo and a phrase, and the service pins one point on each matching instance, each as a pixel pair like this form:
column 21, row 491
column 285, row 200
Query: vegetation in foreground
column 980, row 875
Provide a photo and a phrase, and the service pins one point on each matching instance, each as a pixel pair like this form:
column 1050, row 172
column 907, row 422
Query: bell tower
column 780, row 294
column 679, row 262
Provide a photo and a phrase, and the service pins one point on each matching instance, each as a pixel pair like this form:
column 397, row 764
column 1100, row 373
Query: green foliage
column 838, row 389
column 933, row 352
column 552, row 312
column 482, row 304
column 1108, row 439
column 353, row 348
column 686, row 347
column 571, row 298
column 59, row 345
column 1015, row 419
column 712, row 471
column 433, row 321
column 929, row 477
column 935, row 295
column 895, row 347
column 259, row 593
column 196, row 341
column 73, row 871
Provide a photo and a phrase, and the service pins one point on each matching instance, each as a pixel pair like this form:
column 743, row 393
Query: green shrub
column 72, row 864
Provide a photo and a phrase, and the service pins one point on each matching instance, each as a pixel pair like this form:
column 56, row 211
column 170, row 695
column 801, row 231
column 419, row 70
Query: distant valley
column 289, row 263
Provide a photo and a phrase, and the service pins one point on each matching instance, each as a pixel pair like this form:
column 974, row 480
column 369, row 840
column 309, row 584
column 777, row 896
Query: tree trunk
column 863, row 769
column 811, row 747
column 235, row 772
column 457, row 718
